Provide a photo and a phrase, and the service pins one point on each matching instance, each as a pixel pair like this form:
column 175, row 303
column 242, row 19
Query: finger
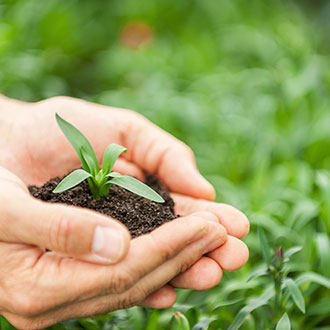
column 164, row 297
column 232, row 255
column 158, row 152
column 235, row 222
column 183, row 261
column 69, row 230
column 164, row 244
column 203, row 275
column 146, row 253
column 155, row 249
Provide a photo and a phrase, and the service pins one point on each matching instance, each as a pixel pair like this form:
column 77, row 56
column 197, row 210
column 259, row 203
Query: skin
column 40, row 287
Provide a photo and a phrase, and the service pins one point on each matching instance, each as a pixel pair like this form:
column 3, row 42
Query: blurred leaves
column 179, row 322
column 283, row 323
column 265, row 250
column 295, row 293
column 246, row 85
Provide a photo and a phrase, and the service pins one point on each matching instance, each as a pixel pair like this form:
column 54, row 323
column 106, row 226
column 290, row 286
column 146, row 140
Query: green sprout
column 99, row 180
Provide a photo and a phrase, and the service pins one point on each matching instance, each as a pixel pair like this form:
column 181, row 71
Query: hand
column 32, row 148
column 40, row 288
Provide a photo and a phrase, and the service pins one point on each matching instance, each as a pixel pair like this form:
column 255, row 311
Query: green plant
column 99, row 180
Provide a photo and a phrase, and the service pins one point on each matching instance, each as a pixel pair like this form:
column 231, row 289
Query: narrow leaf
column 295, row 294
column 137, row 187
column 258, row 273
column 315, row 278
column 72, row 180
column 227, row 303
column 77, row 140
column 203, row 324
column 89, row 161
column 253, row 304
column 291, row 252
column 115, row 175
column 110, row 156
column 265, row 249
column 152, row 320
column 323, row 247
column 284, row 323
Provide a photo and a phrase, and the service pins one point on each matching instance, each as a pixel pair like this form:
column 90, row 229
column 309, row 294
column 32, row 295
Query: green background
column 246, row 84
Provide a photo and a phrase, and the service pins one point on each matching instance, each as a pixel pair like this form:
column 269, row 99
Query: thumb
column 67, row 230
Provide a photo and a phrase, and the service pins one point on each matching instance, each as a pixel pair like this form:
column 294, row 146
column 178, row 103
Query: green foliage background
column 246, row 84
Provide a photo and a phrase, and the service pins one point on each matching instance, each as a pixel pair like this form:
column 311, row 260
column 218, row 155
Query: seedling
column 99, row 180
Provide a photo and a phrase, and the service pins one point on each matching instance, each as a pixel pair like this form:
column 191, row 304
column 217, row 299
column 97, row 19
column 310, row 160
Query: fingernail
column 108, row 243
column 218, row 233
column 203, row 230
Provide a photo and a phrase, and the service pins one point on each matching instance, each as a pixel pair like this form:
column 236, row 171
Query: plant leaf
column 250, row 307
column 91, row 168
column 192, row 315
column 265, row 249
column 258, row 273
column 115, row 175
column 72, row 180
column 110, row 156
column 77, row 140
column 203, row 324
column 323, row 247
column 291, row 252
column 152, row 320
column 313, row 277
column 295, row 294
column 136, row 186
column 179, row 322
column 322, row 307
column 284, row 323
column 227, row 303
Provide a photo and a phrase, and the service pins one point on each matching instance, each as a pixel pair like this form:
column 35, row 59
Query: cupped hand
column 44, row 278
column 35, row 150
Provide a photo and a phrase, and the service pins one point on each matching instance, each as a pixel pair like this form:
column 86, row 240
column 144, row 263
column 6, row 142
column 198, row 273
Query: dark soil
column 138, row 214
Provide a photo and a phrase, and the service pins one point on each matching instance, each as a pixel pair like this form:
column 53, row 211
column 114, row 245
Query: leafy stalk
column 99, row 180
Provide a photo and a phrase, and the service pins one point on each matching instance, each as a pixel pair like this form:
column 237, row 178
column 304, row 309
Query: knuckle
column 184, row 266
column 121, row 282
column 132, row 298
column 60, row 230
column 163, row 250
column 126, row 301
